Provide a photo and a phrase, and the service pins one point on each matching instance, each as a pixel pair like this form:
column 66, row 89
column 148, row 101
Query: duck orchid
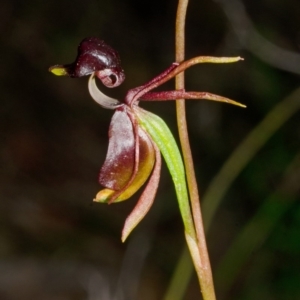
column 136, row 137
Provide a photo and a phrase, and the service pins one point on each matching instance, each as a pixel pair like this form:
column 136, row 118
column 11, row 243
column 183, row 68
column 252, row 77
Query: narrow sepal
column 176, row 68
column 180, row 94
column 146, row 200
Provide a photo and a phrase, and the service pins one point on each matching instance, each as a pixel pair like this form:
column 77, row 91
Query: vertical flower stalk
column 203, row 268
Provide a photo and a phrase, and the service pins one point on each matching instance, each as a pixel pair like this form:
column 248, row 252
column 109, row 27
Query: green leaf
column 166, row 143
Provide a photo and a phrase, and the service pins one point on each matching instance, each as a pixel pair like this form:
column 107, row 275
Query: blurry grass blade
column 245, row 152
column 259, row 227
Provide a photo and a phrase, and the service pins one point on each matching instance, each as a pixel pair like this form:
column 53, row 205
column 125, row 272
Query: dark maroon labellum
column 94, row 55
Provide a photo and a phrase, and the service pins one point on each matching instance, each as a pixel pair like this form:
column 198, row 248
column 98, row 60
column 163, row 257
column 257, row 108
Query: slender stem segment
column 204, row 270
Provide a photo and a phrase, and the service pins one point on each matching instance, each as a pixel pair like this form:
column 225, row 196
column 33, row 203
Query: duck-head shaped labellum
column 94, row 56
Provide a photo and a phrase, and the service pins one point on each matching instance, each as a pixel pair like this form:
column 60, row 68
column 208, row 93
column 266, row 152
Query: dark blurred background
column 55, row 244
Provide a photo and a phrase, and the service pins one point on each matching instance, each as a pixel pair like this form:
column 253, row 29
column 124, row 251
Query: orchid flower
column 136, row 137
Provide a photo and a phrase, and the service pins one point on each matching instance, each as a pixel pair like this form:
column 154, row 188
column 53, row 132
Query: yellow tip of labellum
column 104, row 195
column 58, row 70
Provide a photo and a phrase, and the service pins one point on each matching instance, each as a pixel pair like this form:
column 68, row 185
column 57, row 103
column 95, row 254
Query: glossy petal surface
column 94, row 56
column 126, row 152
column 119, row 163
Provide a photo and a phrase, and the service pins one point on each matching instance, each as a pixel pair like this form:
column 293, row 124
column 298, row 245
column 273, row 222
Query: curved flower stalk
column 136, row 136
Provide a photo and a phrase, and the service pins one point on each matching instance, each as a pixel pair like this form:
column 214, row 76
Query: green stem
column 204, row 269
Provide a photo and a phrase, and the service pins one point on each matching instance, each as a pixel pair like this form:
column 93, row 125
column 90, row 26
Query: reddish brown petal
column 145, row 164
column 120, row 159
